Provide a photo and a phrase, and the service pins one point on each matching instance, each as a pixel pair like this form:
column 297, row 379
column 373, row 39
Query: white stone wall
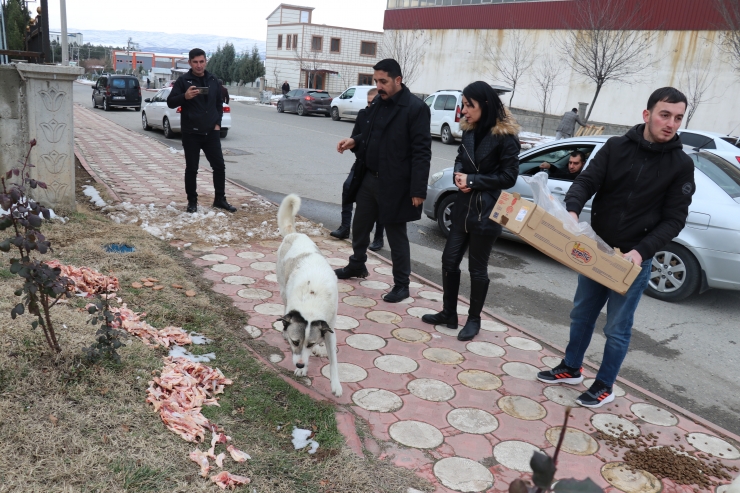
column 455, row 58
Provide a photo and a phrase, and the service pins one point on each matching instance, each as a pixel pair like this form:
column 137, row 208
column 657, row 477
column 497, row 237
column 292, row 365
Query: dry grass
column 68, row 427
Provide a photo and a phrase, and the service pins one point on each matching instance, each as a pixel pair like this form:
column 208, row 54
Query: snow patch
column 180, row 352
column 199, row 339
column 94, row 195
column 301, row 440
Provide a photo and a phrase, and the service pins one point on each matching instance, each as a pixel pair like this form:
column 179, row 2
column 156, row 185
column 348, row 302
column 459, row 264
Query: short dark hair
column 668, row 95
column 579, row 154
column 574, row 110
column 195, row 52
column 390, row 66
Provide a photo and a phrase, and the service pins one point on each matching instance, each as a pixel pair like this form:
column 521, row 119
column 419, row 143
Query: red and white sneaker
column 561, row 374
column 598, row 395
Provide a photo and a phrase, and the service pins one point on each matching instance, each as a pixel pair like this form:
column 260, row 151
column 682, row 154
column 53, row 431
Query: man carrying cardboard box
column 643, row 183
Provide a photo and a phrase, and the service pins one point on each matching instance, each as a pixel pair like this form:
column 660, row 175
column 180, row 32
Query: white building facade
column 315, row 55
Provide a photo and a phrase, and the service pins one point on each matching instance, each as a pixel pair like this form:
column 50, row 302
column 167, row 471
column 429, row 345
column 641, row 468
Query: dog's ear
column 286, row 320
column 324, row 328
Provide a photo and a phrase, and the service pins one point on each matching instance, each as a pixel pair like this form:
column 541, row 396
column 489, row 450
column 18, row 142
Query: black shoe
column 221, row 203
column 448, row 315
column 376, row 245
column 192, row 206
column 397, row 294
column 348, row 272
column 598, row 395
column 342, row 232
column 561, row 374
column 478, row 292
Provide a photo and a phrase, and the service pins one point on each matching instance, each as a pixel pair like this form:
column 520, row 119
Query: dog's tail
column 287, row 212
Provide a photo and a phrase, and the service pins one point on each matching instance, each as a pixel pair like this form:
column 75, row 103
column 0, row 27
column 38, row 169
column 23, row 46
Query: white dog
column 308, row 287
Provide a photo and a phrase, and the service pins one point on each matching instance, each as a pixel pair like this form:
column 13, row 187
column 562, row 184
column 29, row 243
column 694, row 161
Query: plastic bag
column 543, row 198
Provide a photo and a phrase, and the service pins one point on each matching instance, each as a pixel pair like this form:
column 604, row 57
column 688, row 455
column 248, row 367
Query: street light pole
column 65, row 48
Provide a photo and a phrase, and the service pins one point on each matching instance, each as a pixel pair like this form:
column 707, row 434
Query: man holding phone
column 198, row 93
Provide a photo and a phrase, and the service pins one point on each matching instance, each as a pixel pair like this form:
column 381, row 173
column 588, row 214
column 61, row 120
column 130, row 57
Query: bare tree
column 729, row 40
column 511, row 63
column 695, row 81
column 600, row 49
column 546, row 76
column 407, row 47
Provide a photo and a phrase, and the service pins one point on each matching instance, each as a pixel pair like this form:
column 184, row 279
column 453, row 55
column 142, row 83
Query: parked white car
column 156, row 114
column 725, row 146
column 348, row 104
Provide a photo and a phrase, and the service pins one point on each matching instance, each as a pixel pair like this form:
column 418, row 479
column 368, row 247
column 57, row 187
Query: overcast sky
column 238, row 18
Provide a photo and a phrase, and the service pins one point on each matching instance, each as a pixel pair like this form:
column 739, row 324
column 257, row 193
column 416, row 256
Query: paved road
column 687, row 352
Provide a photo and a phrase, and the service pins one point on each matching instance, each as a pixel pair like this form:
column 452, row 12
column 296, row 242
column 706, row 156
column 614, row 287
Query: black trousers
column 366, row 216
column 479, row 251
column 211, row 146
column 347, row 206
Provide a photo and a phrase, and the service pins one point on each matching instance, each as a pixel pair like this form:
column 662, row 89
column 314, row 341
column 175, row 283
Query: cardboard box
column 547, row 234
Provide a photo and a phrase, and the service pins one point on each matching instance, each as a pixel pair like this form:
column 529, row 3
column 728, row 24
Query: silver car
column 706, row 254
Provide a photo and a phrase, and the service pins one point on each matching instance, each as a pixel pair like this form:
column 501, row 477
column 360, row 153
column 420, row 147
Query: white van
column 349, row 103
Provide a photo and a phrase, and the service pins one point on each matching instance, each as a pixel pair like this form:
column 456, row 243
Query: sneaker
column 342, row 232
column 598, row 395
column 397, row 294
column 561, row 374
column 192, row 206
column 348, row 272
column 376, row 245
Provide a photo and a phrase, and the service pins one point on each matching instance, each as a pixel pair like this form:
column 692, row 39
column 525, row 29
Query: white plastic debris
column 301, row 440
column 94, row 195
column 180, row 352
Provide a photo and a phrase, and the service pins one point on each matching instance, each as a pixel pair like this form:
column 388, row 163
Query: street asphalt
column 685, row 352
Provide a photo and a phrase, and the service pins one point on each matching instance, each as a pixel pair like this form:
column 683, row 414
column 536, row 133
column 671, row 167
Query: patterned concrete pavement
column 466, row 416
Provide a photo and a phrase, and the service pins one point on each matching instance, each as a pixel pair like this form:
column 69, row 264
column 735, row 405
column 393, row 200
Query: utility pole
column 3, row 39
column 63, row 15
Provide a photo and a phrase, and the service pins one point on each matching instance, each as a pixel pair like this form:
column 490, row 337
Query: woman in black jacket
column 487, row 162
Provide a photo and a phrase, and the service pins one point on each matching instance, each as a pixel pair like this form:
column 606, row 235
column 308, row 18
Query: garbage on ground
column 86, row 280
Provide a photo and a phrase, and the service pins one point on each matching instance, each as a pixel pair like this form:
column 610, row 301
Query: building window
column 295, row 41
column 280, row 41
column 336, row 43
column 368, row 48
column 304, row 17
column 288, row 39
column 365, row 79
column 317, row 43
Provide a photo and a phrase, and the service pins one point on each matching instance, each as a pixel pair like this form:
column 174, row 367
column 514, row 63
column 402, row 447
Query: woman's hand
column 461, row 182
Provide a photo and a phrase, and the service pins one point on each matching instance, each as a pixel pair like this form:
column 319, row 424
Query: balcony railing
column 407, row 4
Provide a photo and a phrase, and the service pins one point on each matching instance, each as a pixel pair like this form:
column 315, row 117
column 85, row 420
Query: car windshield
column 319, row 94
column 724, row 174
column 732, row 140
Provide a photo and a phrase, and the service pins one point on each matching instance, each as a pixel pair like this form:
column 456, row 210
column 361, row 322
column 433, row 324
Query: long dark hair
column 492, row 109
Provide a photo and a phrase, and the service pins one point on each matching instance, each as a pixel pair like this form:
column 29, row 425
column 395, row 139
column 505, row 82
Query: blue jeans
column 620, row 313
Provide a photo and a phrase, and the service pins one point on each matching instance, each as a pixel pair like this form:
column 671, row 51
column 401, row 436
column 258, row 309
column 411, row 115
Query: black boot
column 377, row 244
column 192, row 206
column 221, row 203
column 448, row 315
column 342, row 232
column 349, row 272
column 478, row 292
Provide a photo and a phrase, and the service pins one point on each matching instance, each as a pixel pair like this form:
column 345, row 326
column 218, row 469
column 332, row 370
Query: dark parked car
column 117, row 91
column 306, row 101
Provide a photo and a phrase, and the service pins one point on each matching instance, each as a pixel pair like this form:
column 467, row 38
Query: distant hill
column 167, row 42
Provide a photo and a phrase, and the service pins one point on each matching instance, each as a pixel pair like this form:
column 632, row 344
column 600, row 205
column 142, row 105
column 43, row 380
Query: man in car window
column 199, row 94
column 643, row 183
column 575, row 166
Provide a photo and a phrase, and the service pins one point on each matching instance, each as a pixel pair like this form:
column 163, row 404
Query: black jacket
column 491, row 167
column 643, row 192
column 405, row 153
column 201, row 114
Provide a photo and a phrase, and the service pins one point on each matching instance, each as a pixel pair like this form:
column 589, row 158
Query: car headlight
column 435, row 177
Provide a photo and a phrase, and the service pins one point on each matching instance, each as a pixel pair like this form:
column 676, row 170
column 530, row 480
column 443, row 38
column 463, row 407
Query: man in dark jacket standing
column 643, row 183
column 567, row 125
column 224, row 91
column 396, row 147
column 286, row 87
column 199, row 94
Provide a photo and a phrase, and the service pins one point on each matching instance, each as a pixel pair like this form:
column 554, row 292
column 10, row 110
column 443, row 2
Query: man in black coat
column 198, row 93
column 391, row 184
column 643, row 183
column 286, row 87
column 575, row 165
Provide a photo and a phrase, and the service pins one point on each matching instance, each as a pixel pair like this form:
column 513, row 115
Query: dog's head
column 302, row 335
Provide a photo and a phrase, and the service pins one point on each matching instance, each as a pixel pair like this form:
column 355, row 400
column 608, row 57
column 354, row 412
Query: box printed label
column 580, row 253
column 522, row 214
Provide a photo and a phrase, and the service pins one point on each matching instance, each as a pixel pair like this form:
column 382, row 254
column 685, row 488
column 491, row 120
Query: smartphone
column 202, row 90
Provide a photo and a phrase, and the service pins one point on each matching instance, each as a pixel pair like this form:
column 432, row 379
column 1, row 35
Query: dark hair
column 574, row 110
column 579, row 154
column 221, row 81
column 492, row 109
column 195, row 52
column 390, row 66
column 668, row 95
column 373, row 91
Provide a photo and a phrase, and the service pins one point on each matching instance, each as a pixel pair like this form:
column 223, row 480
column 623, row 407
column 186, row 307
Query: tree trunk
column 591, row 108
column 513, row 89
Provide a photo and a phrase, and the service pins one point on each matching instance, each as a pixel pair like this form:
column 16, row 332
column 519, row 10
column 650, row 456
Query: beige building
column 315, row 55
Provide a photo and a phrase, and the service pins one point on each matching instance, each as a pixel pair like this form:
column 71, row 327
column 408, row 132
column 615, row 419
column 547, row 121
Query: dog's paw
column 336, row 388
column 300, row 372
column 320, row 350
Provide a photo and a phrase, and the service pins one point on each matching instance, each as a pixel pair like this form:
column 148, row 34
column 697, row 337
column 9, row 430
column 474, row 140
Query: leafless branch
column 729, row 40
column 407, row 47
column 695, row 81
column 599, row 49
column 512, row 61
column 546, row 76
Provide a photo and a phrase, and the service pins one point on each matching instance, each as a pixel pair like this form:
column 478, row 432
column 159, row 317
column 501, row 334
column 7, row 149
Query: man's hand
column 634, row 257
column 217, row 127
column 574, row 216
column 191, row 92
column 417, row 201
column 545, row 166
column 345, row 145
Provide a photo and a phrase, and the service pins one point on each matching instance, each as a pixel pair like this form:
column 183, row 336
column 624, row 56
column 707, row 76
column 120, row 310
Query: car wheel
column 224, row 132
column 168, row 133
column 105, row 105
column 280, row 107
column 335, row 114
column 138, row 108
column 145, row 123
column 446, row 135
column 301, row 110
column 674, row 275
column 93, row 102
column 444, row 214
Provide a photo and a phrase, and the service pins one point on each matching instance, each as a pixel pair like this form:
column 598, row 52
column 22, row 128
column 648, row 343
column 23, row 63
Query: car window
column 450, row 104
column 429, row 100
column 319, row 94
column 291, row 93
column 556, row 157
column 732, row 140
column 724, row 174
column 118, row 83
column 439, row 104
column 348, row 93
column 102, row 82
column 696, row 140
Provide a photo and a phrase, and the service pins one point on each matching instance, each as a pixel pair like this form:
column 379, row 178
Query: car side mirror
column 148, row 100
